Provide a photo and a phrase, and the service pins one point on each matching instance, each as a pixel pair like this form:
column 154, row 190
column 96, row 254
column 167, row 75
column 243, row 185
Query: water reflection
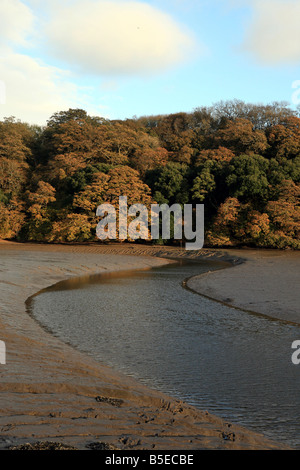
column 145, row 324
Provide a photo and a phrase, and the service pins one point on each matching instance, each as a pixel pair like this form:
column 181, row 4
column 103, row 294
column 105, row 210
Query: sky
column 121, row 59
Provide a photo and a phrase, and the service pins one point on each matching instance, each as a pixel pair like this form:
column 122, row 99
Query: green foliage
column 247, row 178
column 204, row 183
column 79, row 180
column 169, row 184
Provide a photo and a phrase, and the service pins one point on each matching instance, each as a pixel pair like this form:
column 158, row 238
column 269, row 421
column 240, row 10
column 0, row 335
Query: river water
column 145, row 324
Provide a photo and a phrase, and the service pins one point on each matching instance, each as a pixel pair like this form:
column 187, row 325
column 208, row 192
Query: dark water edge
column 145, row 324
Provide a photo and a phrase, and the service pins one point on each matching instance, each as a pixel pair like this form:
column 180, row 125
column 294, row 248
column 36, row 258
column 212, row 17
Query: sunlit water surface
column 145, row 324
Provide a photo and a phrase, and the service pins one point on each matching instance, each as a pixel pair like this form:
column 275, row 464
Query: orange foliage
column 12, row 219
column 285, row 212
column 221, row 154
column 240, row 136
column 72, row 228
column 285, row 138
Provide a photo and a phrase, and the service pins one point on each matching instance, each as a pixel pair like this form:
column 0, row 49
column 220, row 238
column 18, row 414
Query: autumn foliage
column 241, row 161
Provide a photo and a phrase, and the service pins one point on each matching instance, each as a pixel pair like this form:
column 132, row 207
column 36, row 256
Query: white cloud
column 34, row 91
column 31, row 89
column 273, row 36
column 94, row 36
column 16, row 22
column 116, row 37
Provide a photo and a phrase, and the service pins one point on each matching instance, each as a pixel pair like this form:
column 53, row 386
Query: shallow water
column 145, row 324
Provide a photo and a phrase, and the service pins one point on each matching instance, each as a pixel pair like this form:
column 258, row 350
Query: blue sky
column 120, row 58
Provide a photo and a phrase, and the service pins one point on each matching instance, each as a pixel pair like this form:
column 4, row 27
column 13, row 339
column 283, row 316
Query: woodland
column 242, row 161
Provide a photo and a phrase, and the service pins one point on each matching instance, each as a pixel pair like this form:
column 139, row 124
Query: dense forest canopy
column 241, row 161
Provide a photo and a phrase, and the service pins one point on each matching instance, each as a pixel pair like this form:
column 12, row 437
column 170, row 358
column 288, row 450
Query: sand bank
column 49, row 391
column 267, row 283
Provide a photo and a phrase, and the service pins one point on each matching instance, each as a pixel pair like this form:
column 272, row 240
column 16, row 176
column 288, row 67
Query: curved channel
column 220, row 359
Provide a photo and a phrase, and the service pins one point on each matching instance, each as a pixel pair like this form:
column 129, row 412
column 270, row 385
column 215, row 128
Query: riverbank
column 50, row 392
column 266, row 283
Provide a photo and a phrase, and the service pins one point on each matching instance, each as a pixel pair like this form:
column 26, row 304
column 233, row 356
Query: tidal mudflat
column 51, row 391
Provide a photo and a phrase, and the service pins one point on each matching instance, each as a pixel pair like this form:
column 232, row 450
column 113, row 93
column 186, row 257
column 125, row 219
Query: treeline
column 241, row 161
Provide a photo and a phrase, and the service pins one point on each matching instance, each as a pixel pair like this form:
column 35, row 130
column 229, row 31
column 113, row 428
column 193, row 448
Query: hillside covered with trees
column 241, row 161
